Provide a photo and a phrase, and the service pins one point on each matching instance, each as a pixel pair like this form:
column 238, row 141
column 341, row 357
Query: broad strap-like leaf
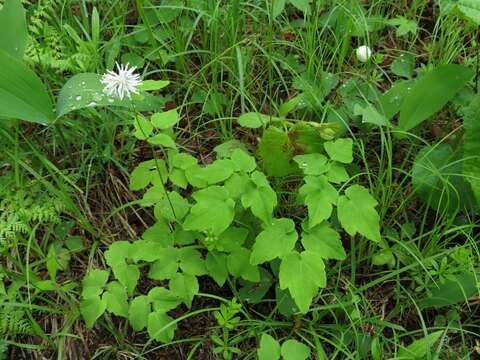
column 13, row 28
column 471, row 148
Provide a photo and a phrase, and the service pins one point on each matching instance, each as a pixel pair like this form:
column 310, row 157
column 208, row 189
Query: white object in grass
column 364, row 53
column 122, row 83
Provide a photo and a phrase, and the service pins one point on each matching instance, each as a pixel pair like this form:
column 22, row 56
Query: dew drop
column 92, row 104
column 304, row 165
column 111, row 100
column 78, row 98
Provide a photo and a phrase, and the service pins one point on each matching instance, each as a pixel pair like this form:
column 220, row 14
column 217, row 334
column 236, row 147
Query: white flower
column 364, row 53
column 122, row 83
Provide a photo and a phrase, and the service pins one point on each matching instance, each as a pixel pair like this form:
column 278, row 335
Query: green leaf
column 307, row 266
column 294, row 350
column 143, row 127
column 149, row 85
column 420, row 348
column 13, row 28
column 161, row 327
column 269, row 348
column 85, row 90
column 242, row 161
column 312, row 164
column 22, row 95
column 116, row 298
column 457, row 290
column 152, row 171
column 231, row 239
column 253, row 120
column 391, row 101
column 260, row 197
column 471, row 9
column 319, row 196
column 91, row 309
column 404, row 65
column 370, row 115
column 302, row 5
column 159, row 233
column 337, row 173
column 471, row 147
column 213, row 211
column 438, row 179
column 431, row 92
column 254, row 292
column 163, row 140
column 340, row 150
column 163, row 299
column 404, row 25
column 275, row 241
column 324, row 241
column 184, row 286
column 166, row 266
column 216, row 264
column 93, row 283
column 191, row 262
column 127, row 274
column 173, row 208
column 356, row 212
column 214, row 173
column 165, row 120
column 238, row 264
column 277, row 7
column 138, row 312
column 276, row 150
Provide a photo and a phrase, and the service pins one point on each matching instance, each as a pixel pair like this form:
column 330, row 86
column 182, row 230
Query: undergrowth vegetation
column 199, row 179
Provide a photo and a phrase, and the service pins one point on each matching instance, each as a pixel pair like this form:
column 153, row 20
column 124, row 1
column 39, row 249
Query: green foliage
column 13, row 28
column 471, row 148
column 270, row 349
column 431, row 92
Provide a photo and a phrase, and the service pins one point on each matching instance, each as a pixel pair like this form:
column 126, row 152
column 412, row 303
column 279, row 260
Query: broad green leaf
column 340, row 150
column 253, row 120
column 85, row 91
column 302, row 5
column 277, row 8
column 160, row 234
column 22, row 94
column 191, row 261
column 138, row 312
column 254, row 292
column 294, row 350
column 356, row 212
column 438, row 179
column 231, row 239
column 237, row 185
column 312, row 164
column 370, row 115
column 226, row 149
column 216, row 264
column 302, row 274
column 213, row 173
column 169, row 10
column 319, row 196
column 471, row 147
column 93, row 283
column 421, row 347
column 163, row 299
column 404, row 65
column 13, row 28
column 337, row 173
column 471, row 9
column 324, row 241
column 431, row 92
column 161, row 327
column 275, row 241
column 213, row 211
column 128, row 275
column 165, row 120
column 116, row 298
column 269, row 348
column 404, row 25
column 172, row 207
column 91, row 309
column 150, row 85
column 185, row 287
column 391, row 101
column 242, row 161
column 163, row 140
column 166, row 265
column 151, row 171
column 260, row 197
column 143, row 127
column 455, row 291
column 285, row 302
column 238, row 264
column 276, row 151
